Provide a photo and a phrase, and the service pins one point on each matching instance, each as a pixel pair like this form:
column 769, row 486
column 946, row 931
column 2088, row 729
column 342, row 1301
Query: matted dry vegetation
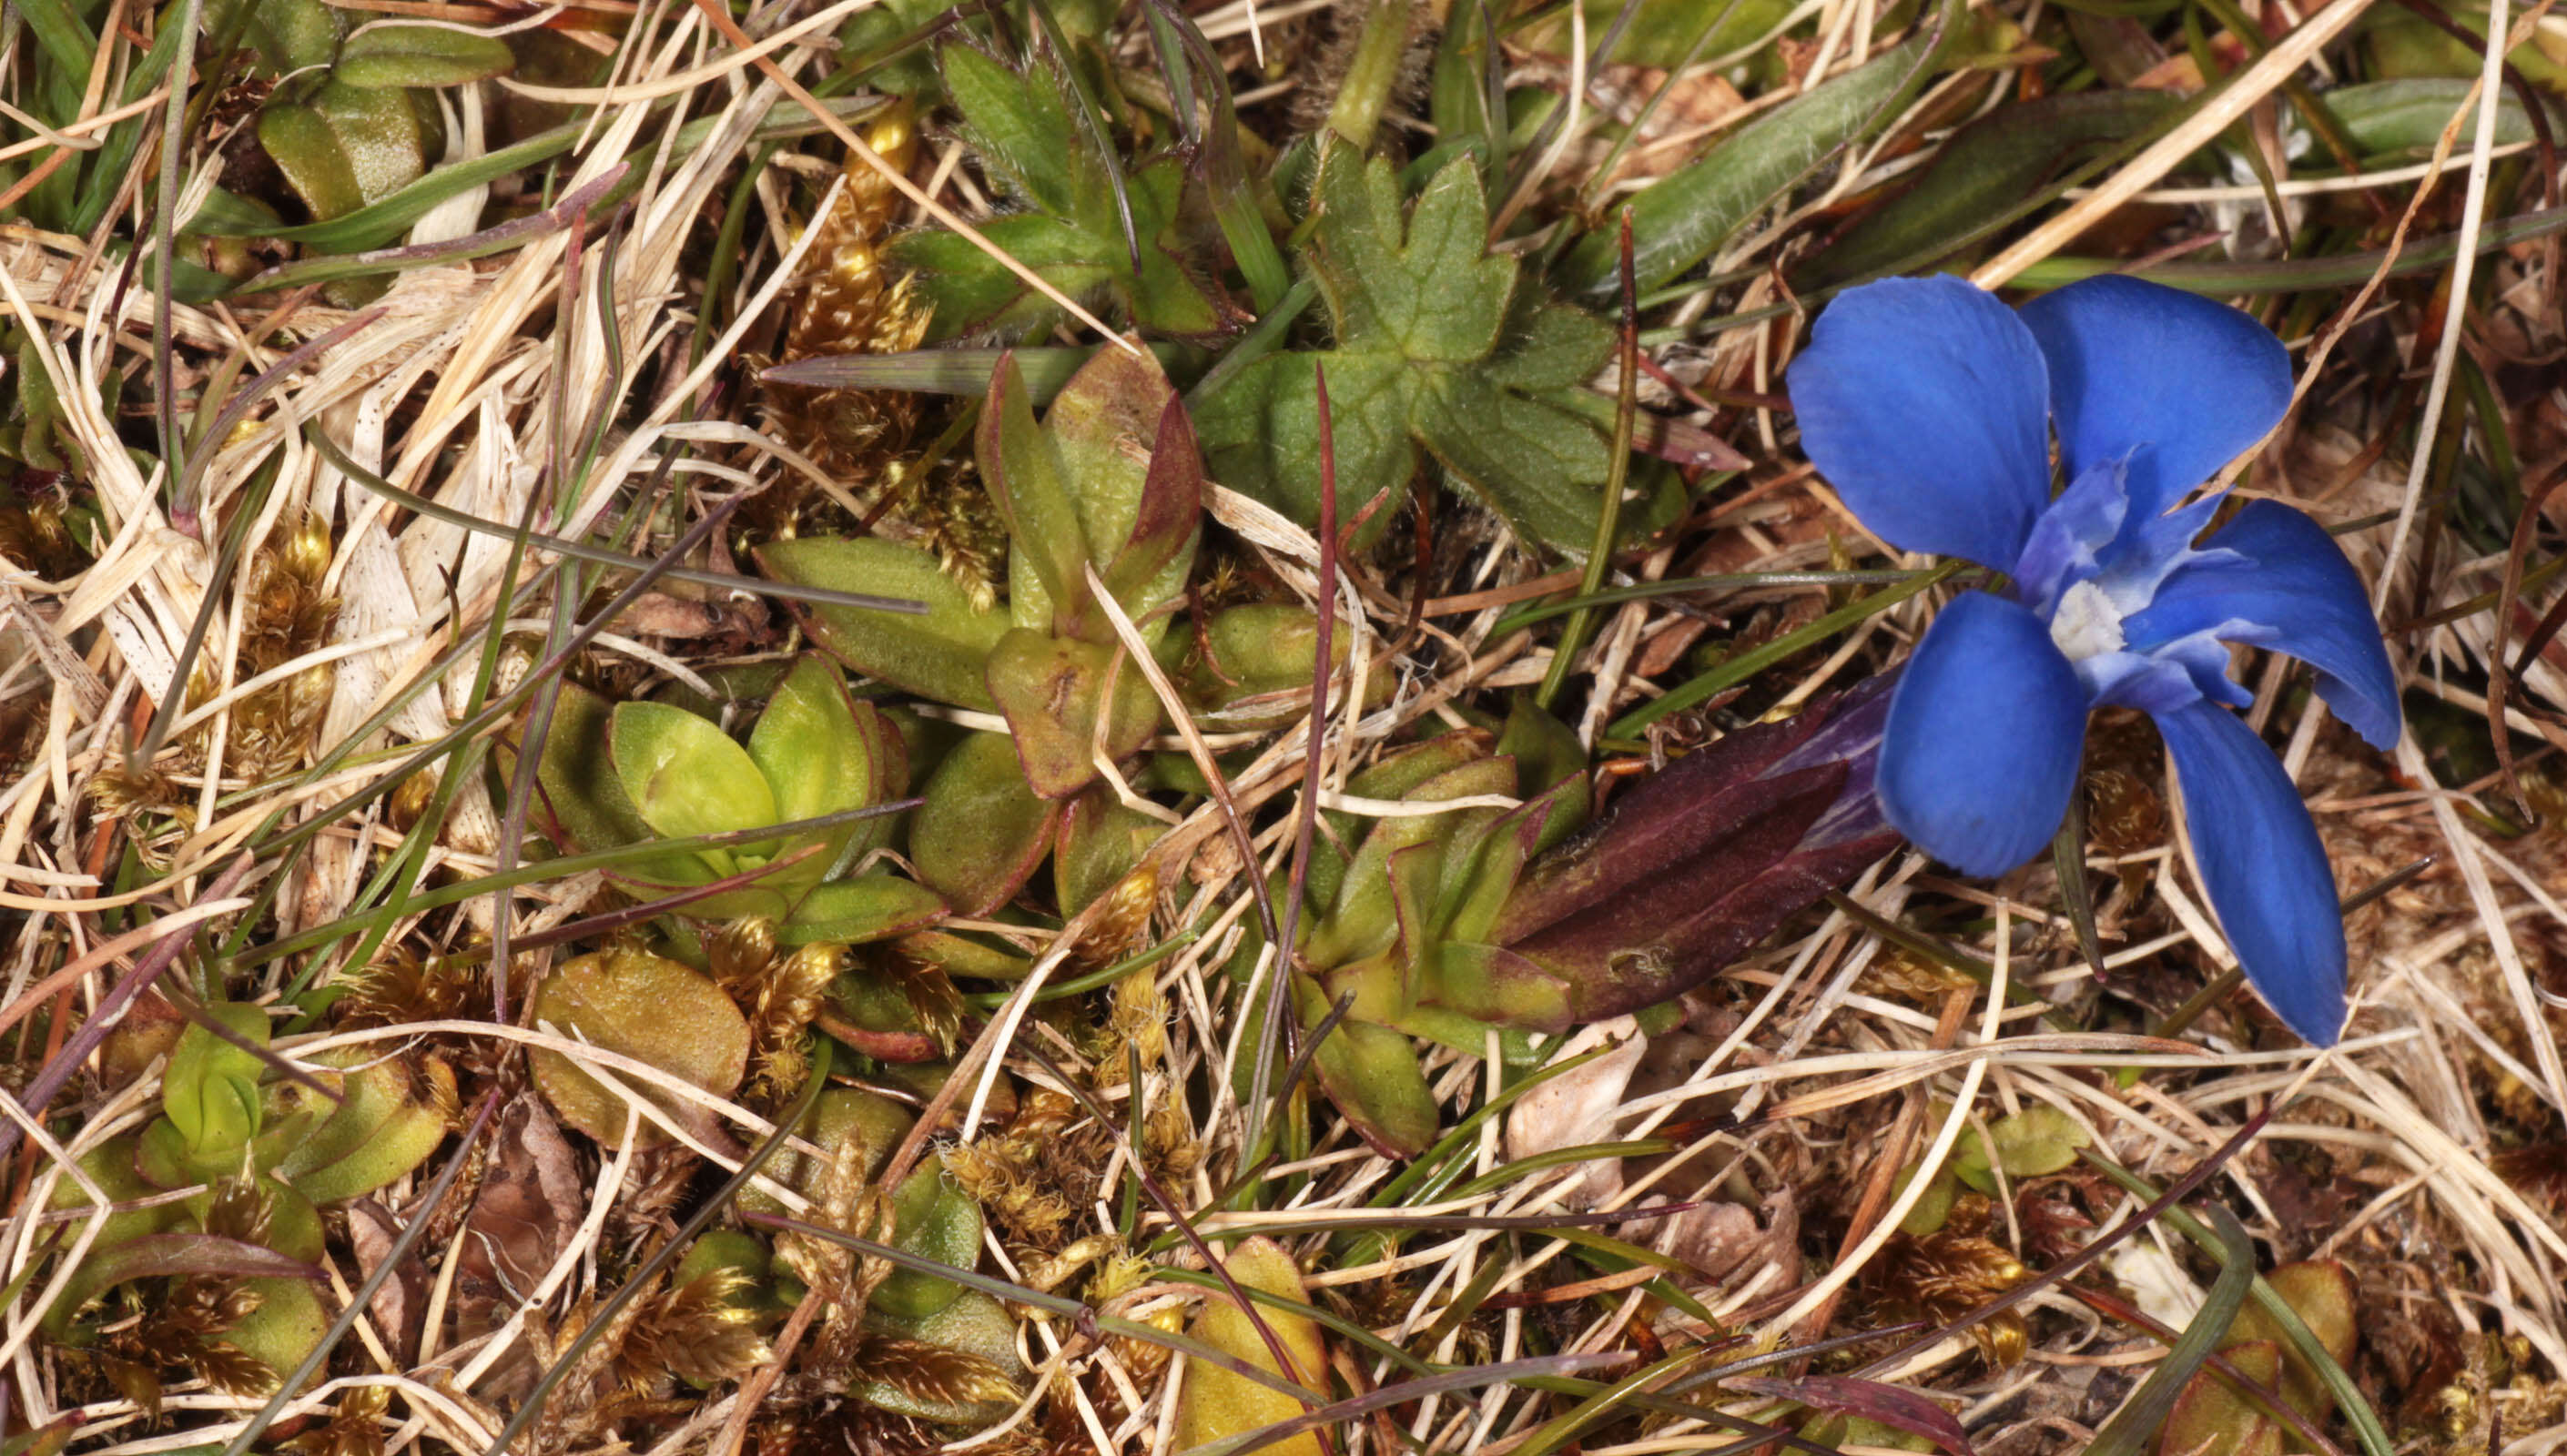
column 308, row 654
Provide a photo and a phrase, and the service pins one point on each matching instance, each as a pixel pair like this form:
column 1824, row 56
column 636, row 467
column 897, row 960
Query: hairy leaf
column 1440, row 349
column 1987, row 166
column 1678, row 220
column 1029, row 139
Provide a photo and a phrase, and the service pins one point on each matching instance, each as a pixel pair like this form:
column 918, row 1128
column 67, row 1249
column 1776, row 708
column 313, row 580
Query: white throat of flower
column 2087, row 624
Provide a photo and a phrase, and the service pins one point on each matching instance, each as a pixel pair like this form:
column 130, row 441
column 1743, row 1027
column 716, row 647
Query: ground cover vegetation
column 1327, row 726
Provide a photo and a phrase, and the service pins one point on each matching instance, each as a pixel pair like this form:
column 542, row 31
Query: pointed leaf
column 1491, row 984
column 1143, row 525
column 1015, row 124
column 972, row 293
column 1678, row 220
column 1439, row 344
column 1986, row 167
column 1025, row 475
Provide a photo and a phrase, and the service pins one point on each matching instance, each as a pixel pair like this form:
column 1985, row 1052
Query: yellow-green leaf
column 1218, row 1403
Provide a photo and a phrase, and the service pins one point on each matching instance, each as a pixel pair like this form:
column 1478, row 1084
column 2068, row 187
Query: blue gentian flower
column 1930, row 407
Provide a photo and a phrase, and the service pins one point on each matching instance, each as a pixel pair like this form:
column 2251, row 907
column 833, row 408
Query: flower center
column 2087, row 624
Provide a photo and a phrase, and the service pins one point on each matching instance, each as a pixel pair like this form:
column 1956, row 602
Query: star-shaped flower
column 1930, row 407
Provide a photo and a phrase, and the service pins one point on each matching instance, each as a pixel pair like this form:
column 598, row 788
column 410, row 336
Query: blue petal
column 2287, row 588
column 2176, row 383
column 2151, row 548
column 2067, row 537
column 2264, row 865
column 1923, row 401
column 1985, row 733
column 2163, row 678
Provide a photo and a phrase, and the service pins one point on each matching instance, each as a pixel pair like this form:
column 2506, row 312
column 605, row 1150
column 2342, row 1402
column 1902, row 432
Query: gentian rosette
column 1930, row 407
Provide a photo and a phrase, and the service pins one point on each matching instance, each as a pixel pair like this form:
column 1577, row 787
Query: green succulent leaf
column 684, row 775
column 979, row 831
column 936, row 656
column 404, row 54
column 305, row 146
column 210, row 1094
column 1135, row 479
column 1101, row 841
column 862, row 1127
column 822, row 752
column 867, row 907
column 345, row 145
column 1049, row 558
column 1441, row 348
column 1254, row 666
column 970, row 1342
column 289, row 1320
column 581, row 795
column 1032, row 144
column 1405, row 859
column 1217, row 1403
column 2215, row 1419
column 161, row 1256
column 1371, row 1073
column 2037, row 1140
column 934, row 1220
column 110, row 1166
column 1053, row 690
column 288, row 35
column 652, row 1010
column 2320, row 1292
column 377, row 1135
